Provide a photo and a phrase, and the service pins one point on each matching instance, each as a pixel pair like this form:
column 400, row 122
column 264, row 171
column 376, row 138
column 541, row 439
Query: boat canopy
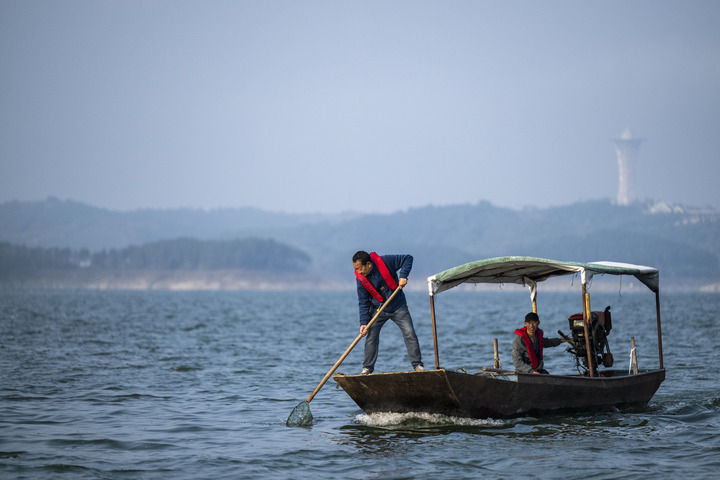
column 530, row 270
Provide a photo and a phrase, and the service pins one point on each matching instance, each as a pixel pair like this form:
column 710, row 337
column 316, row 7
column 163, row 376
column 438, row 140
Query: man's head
column 531, row 322
column 362, row 263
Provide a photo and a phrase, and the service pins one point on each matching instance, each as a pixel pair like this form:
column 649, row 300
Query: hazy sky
column 373, row 106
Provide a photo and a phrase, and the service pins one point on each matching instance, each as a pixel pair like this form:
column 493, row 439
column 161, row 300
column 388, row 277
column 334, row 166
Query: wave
column 387, row 419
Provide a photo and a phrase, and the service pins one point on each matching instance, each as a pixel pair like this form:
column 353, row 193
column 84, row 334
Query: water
column 198, row 385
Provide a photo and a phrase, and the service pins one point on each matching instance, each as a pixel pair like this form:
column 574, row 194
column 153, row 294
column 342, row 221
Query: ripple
column 187, row 368
column 23, row 398
column 65, row 468
column 199, row 326
column 11, row 454
column 110, row 443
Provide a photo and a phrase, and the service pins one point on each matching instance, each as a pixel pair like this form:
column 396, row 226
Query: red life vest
column 384, row 272
column 535, row 360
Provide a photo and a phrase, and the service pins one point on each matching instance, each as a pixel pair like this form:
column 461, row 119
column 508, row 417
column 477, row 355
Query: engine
column 598, row 330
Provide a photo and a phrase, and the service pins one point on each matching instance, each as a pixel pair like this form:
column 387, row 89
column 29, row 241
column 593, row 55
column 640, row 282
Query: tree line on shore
column 178, row 254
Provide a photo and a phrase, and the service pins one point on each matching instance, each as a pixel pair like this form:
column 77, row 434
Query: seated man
column 527, row 347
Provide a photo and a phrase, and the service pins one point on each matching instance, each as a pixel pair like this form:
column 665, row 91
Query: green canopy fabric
column 530, row 270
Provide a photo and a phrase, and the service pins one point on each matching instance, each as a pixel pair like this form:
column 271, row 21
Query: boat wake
column 388, row 419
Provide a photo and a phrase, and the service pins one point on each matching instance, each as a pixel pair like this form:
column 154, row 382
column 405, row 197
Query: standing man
column 527, row 346
column 377, row 278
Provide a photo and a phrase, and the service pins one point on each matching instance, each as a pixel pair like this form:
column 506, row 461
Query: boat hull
column 490, row 396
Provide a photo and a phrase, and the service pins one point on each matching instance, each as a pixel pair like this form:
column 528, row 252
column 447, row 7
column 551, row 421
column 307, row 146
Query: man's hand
column 402, row 282
column 363, row 330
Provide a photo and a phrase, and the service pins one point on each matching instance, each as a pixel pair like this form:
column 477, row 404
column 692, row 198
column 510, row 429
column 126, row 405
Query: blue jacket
column 399, row 266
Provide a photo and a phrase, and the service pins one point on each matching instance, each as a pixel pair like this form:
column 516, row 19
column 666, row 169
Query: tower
column 626, row 149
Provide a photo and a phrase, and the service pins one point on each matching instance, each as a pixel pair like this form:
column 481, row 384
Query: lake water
column 157, row 385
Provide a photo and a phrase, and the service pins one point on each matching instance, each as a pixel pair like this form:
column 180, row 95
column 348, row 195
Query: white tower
column 626, row 149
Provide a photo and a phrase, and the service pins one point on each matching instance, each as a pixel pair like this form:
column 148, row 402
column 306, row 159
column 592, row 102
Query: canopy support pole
column 659, row 330
column 434, row 328
column 587, row 315
column 533, row 292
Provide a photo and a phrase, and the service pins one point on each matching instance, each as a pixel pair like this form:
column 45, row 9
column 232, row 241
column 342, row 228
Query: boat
column 497, row 393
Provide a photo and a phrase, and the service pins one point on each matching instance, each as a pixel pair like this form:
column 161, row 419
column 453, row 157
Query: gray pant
column 402, row 319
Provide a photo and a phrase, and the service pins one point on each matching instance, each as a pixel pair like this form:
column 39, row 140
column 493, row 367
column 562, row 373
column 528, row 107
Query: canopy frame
column 528, row 271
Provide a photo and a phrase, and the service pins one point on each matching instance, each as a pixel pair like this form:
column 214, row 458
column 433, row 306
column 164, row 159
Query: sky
column 366, row 106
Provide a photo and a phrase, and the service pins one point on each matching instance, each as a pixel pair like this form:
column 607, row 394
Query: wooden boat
column 499, row 393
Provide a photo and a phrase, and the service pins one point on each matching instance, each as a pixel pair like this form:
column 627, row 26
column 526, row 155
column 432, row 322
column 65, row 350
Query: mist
column 333, row 106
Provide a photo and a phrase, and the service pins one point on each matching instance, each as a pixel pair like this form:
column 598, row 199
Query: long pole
column 659, row 330
column 586, row 322
column 434, row 328
column 496, row 356
column 352, row 345
column 633, row 356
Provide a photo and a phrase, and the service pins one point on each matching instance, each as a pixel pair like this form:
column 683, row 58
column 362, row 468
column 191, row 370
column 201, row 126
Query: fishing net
column 300, row 416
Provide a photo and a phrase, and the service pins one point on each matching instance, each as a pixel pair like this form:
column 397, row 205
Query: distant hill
column 246, row 262
column 683, row 242
column 66, row 223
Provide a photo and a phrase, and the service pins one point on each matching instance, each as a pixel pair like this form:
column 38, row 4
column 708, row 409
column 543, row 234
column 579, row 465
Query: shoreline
column 233, row 280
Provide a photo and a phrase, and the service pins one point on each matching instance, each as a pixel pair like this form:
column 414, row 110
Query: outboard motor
column 599, row 328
